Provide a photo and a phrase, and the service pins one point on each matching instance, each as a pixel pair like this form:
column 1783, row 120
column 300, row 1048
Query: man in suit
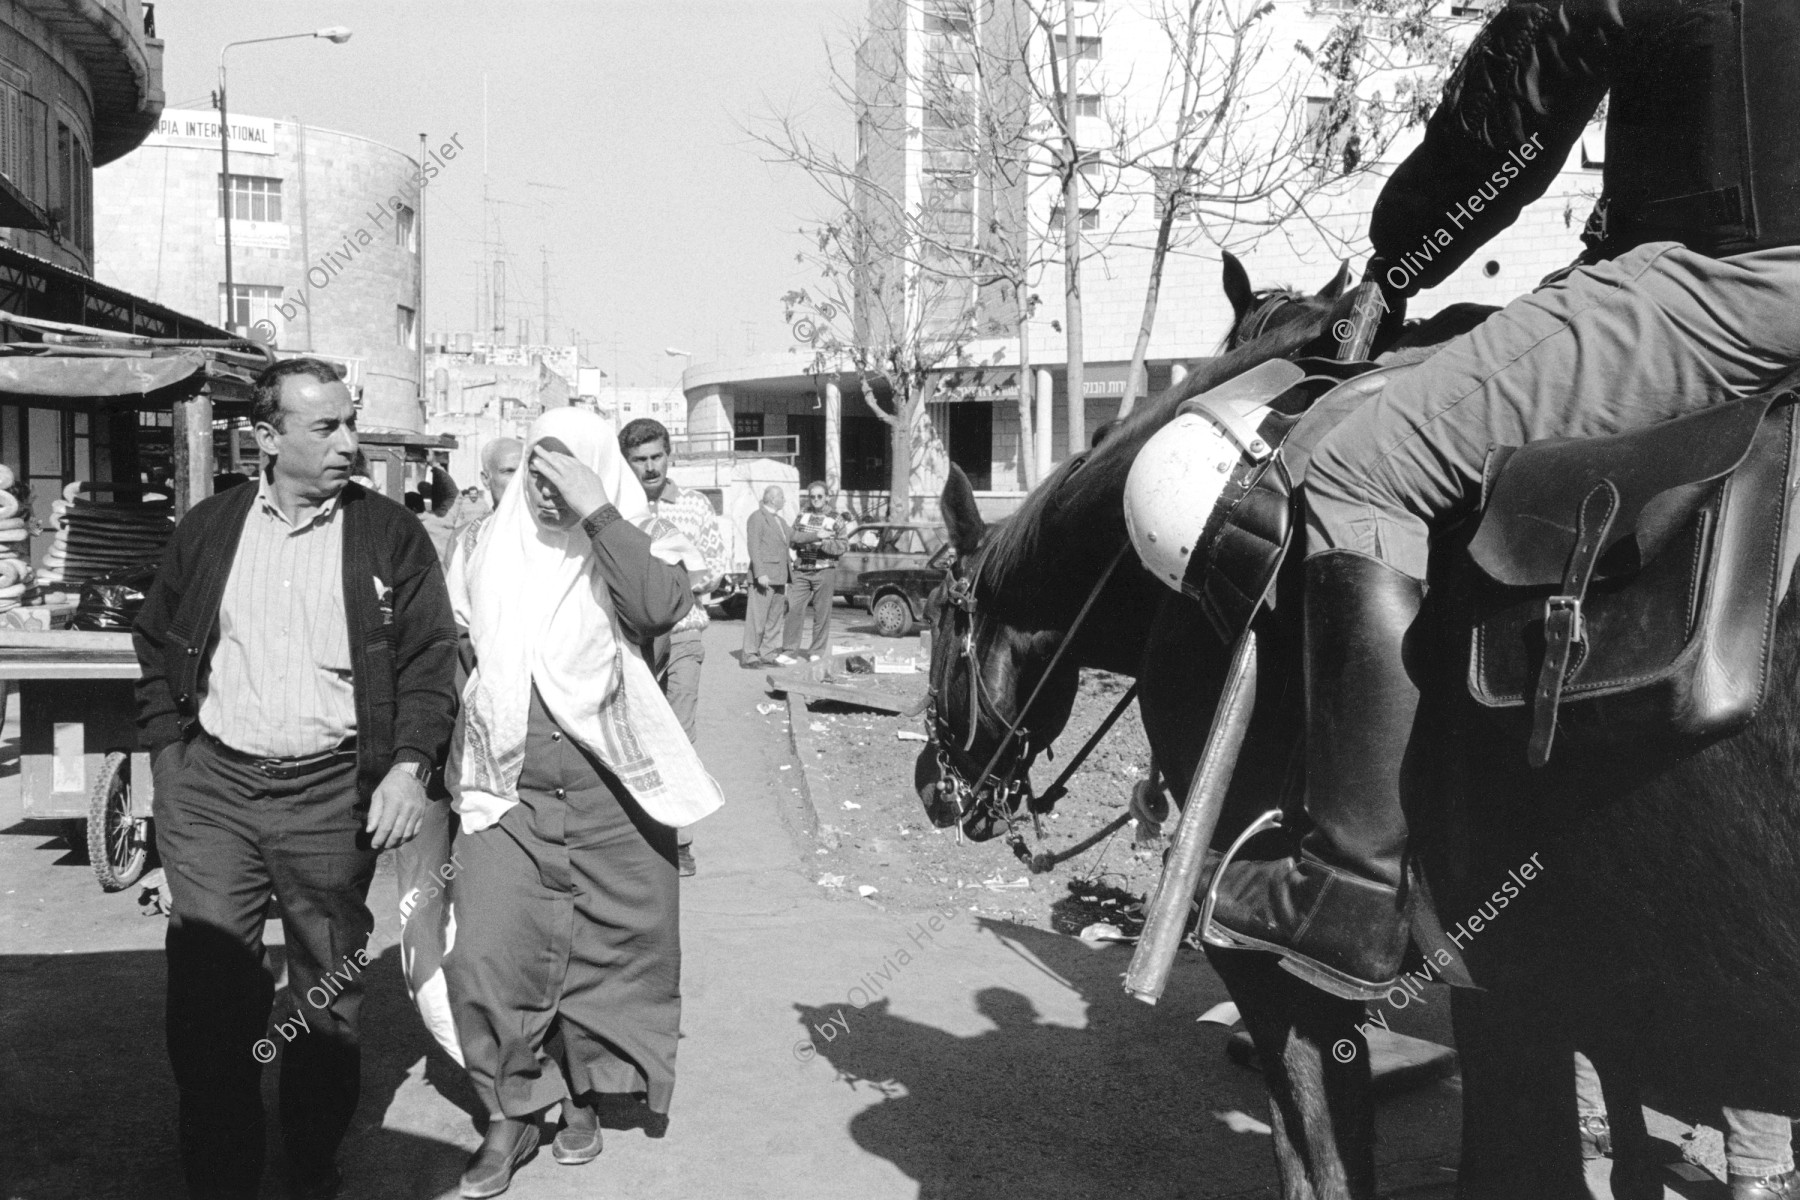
column 768, row 540
column 297, row 655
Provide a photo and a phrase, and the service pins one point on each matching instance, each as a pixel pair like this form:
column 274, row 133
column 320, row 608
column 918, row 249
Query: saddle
column 1626, row 587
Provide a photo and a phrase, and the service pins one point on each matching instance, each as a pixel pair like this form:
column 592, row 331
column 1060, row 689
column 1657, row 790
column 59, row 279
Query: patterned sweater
column 691, row 513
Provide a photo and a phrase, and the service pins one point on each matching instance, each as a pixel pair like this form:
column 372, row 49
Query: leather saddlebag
column 1625, row 587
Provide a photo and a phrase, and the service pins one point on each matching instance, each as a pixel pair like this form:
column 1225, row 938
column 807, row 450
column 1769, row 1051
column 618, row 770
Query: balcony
column 113, row 40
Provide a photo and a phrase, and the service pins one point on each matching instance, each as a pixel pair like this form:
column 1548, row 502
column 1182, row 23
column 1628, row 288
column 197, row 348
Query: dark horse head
column 1000, row 693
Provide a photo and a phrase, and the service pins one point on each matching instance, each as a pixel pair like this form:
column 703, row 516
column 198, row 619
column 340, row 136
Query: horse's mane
column 1013, row 552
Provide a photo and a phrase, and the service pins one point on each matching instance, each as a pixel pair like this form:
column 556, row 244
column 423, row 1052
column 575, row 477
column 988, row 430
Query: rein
column 963, row 596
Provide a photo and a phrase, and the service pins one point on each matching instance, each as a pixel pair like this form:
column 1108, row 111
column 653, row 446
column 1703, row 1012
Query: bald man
column 768, row 543
column 499, row 463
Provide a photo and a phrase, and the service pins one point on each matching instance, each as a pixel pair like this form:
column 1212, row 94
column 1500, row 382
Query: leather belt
column 283, row 768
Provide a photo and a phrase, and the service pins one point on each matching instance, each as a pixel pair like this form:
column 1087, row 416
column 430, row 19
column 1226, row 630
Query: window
column 253, row 198
column 950, row 17
column 406, row 327
column 747, row 430
column 406, row 228
column 1331, row 140
column 15, row 147
column 1090, row 219
column 866, row 540
column 251, row 304
column 1085, row 47
column 74, row 196
column 1087, row 105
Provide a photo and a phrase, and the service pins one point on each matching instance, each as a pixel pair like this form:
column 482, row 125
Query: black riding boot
column 1334, row 911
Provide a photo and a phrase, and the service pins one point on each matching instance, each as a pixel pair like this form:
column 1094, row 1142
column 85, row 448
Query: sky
column 615, row 139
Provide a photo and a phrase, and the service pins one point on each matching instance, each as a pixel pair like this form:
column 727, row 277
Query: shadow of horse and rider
column 1136, row 1102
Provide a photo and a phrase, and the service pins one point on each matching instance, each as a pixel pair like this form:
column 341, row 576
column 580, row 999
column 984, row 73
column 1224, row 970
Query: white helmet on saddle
column 1188, row 471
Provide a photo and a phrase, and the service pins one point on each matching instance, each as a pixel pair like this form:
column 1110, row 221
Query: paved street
column 995, row 1060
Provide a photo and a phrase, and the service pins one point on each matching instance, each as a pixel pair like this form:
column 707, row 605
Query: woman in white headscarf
column 573, row 776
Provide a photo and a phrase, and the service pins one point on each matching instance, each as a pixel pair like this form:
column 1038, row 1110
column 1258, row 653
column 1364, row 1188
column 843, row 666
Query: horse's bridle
column 967, row 797
column 1265, row 312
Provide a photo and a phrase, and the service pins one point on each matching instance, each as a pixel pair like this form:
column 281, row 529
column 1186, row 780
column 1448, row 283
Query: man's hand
column 397, row 809
column 764, row 583
column 579, row 487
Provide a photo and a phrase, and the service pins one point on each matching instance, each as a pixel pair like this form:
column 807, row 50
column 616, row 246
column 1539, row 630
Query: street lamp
column 337, row 34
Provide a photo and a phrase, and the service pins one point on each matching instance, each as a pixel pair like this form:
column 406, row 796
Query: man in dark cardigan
column 298, row 655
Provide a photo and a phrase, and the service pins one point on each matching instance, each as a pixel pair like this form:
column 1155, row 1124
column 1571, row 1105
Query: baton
column 1166, row 919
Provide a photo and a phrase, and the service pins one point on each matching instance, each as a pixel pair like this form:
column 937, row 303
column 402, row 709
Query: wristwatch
column 412, row 767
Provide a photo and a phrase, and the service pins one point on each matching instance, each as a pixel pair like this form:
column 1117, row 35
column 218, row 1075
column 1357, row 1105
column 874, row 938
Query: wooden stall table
column 78, row 756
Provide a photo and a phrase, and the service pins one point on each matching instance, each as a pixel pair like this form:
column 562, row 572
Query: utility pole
column 419, row 312
column 1072, row 339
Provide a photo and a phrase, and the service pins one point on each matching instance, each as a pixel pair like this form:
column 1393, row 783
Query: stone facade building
column 325, row 242
column 1122, row 56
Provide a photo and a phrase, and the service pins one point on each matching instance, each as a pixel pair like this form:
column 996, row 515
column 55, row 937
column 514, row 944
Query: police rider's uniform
column 1690, row 295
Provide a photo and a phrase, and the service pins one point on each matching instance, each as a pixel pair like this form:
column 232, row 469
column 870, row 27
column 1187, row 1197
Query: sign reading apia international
column 198, row 129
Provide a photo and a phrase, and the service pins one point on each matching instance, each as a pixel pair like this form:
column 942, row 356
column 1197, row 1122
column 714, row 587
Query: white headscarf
column 539, row 612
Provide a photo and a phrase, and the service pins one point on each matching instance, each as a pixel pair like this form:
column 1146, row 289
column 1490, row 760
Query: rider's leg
column 1650, row 335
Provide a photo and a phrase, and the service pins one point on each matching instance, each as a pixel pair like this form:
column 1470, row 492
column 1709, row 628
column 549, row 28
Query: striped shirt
column 691, row 513
column 280, row 679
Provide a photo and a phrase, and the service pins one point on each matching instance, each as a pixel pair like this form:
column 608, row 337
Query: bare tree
column 1233, row 149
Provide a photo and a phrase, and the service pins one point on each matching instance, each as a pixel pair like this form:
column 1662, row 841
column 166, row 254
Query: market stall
column 106, row 441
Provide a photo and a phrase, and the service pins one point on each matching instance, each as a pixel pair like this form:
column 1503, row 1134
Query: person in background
column 645, row 444
column 499, row 463
column 415, row 503
column 286, row 756
column 572, row 774
column 440, row 496
column 818, row 541
column 766, row 536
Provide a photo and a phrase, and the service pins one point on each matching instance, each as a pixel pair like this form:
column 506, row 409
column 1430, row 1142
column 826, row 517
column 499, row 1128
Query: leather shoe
column 578, row 1141
column 1785, row 1186
column 509, row 1145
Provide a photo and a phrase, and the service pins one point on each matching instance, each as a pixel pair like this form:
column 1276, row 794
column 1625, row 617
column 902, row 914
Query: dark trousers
column 230, row 836
column 809, row 591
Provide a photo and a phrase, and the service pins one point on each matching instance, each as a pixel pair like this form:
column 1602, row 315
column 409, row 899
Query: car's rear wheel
column 893, row 616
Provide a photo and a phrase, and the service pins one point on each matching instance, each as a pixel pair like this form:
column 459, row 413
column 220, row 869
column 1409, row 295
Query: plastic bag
column 112, row 601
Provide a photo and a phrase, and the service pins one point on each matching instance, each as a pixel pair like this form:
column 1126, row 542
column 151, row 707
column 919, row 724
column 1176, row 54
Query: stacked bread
column 15, row 539
column 95, row 538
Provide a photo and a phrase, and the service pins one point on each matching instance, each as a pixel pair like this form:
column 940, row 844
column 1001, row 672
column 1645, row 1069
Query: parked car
column 897, row 599
column 885, row 546
column 732, row 596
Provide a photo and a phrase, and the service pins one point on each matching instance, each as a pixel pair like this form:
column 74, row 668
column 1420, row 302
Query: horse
column 1652, row 934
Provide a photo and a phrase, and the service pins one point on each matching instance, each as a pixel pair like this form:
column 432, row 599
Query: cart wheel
column 117, row 846
column 893, row 618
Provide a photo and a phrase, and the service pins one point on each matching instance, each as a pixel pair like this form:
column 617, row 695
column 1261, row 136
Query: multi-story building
column 479, row 391
column 910, row 146
column 325, row 241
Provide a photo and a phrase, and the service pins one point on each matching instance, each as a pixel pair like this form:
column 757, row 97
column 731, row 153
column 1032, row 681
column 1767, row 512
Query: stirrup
column 1326, row 979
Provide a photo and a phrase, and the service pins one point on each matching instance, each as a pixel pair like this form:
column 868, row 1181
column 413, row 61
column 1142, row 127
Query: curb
column 813, row 793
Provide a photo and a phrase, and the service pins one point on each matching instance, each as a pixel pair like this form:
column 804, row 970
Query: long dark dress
column 568, row 939
column 568, row 921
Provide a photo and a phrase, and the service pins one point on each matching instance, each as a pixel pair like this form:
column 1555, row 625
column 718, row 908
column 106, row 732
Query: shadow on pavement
column 87, row 1100
column 1140, row 1102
